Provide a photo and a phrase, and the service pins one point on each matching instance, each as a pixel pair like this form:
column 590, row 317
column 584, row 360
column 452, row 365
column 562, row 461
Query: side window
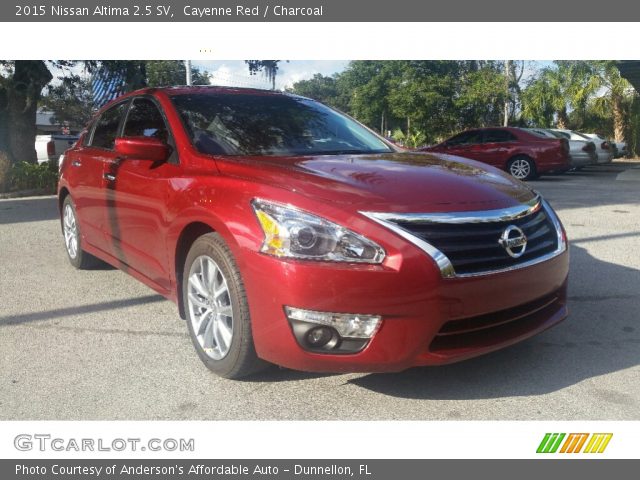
column 145, row 120
column 498, row 136
column 104, row 135
column 466, row 138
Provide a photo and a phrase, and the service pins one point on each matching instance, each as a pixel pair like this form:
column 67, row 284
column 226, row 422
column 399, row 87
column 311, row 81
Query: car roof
column 199, row 89
column 209, row 89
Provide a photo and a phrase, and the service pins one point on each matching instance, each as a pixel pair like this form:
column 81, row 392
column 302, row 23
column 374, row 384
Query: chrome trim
column 479, row 216
column 442, row 261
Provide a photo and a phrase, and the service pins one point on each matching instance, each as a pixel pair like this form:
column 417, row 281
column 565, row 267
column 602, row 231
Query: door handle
column 108, row 176
column 76, row 163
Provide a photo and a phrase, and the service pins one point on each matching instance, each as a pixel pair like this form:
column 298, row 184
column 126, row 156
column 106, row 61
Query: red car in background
column 524, row 154
column 286, row 232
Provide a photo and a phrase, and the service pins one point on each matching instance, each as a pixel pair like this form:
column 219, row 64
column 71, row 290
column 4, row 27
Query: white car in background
column 582, row 152
column 621, row 149
column 50, row 147
column 604, row 150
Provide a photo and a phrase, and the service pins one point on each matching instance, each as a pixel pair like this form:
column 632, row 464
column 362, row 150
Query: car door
column 463, row 145
column 497, row 147
column 86, row 174
column 138, row 193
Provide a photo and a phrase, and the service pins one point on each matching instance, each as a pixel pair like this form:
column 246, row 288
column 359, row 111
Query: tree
column 321, row 88
column 20, row 90
column 482, row 99
column 165, row 73
column 71, row 101
column 268, row 67
column 617, row 97
column 367, row 86
column 567, row 86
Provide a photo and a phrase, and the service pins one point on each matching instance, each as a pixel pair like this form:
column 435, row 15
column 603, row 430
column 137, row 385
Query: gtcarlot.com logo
column 574, row 443
column 44, row 442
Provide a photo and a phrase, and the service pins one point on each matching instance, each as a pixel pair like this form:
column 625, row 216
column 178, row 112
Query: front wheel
column 71, row 231
column 522, row 168
column 217, row 309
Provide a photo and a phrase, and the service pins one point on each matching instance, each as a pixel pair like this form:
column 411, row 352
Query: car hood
column 391, row 182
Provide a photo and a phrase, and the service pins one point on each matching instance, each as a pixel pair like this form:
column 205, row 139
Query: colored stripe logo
column 574, row 443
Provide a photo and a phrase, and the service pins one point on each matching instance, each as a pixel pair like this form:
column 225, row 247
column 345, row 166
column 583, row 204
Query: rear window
column 274, row 125
column 563, row 134
column 537, row 133
column 582, row 136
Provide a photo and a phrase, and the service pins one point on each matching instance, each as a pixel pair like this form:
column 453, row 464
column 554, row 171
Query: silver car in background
column 582, row 152
column 604, row 148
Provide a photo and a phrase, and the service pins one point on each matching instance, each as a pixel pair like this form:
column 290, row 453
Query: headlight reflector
column 290, row 232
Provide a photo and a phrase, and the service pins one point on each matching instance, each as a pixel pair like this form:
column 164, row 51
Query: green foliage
column 321, row 88
column 71, row 101
column 412, row 139
column 567, row 86
column 165, row 73
column 30, row 176
column 268, row 67
column 437, row 98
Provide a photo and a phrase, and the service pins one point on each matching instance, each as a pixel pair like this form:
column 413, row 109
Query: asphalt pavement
column 99, row 345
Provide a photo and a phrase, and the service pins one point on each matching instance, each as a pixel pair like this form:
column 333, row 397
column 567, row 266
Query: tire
column 217, row 309
column 522, row 167
column 78, row 258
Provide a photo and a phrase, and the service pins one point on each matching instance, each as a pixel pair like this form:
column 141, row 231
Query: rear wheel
column 71, row 231
column 217, row 309
column 522, row 168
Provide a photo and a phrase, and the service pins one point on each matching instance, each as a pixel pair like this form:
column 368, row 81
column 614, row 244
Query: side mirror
column 143, row 148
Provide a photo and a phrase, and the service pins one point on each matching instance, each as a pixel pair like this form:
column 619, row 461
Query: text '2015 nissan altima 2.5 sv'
column 288, row 233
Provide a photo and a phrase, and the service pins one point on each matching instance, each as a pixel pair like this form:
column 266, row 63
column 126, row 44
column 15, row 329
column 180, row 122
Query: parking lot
column 93, row 345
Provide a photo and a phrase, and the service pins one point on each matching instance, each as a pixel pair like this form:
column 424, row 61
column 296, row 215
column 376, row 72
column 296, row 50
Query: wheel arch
column 62, row 195
column 189, row 234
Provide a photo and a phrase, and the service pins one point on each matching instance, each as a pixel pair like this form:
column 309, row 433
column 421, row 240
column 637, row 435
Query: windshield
column 277, row 125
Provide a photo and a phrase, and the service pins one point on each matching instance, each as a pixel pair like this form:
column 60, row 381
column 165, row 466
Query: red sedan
column 522, row 153
column 288, row 233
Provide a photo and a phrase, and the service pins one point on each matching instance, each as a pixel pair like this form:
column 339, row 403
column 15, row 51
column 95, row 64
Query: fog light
column 347, row 325
column 319, row 336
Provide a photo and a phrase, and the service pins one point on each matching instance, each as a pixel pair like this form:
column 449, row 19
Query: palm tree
column 568, row 85
column 617, row 95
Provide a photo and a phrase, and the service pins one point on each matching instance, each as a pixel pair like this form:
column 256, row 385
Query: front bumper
column 427, row 320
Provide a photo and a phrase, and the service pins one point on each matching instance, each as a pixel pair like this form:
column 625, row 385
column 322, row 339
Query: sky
column 236, row 72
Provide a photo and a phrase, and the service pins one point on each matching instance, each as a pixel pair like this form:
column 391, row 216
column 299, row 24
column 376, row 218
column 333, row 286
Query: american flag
column 106, row 85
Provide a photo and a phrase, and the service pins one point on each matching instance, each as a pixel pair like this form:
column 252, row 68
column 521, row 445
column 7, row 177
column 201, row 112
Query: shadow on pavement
column 20, row 210
column 601, row 336
column 79, row 310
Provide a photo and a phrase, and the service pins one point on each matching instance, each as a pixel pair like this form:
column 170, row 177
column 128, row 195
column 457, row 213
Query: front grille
column 486, row 330
column 474, row 247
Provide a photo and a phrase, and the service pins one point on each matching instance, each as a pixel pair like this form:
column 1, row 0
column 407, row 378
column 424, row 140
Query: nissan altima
column 288, row 233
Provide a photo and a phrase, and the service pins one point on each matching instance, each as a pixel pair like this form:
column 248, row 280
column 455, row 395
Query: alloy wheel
column 70, row 229
column 520, row 169
column 210, row 308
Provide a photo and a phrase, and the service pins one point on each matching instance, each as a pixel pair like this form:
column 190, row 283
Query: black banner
column 327, row 469
column 318, row 11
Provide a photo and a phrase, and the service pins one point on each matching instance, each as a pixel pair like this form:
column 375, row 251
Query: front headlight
column 289, row 232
